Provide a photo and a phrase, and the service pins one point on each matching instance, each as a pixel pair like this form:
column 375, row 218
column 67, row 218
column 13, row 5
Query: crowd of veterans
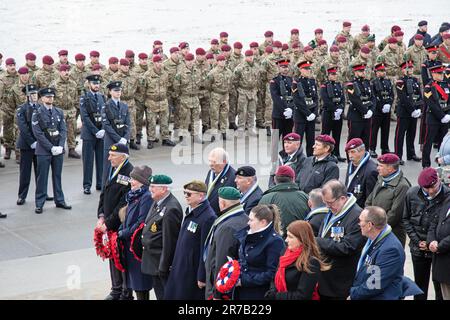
column 308, row 235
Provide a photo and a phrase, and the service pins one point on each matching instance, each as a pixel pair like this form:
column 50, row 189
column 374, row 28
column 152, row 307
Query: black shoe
column 87, row 191
column 138, row 139
column 38, row 210
column 402, row 163
column 149, row 144
column 340, row 159
column 213, row 138
column 111, row 297
column 3, row 216
column 269, row 132
column 73, row 154
column 134, row 146
column 224, row 136
column 20, row 201
column 2, row 165
column 373, row 154
column 63, row 205
column 233, row 126
column 167, row 142
column 49, row 198
column 415, row 158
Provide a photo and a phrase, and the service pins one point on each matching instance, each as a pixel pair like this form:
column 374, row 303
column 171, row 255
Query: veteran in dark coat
column 187, row 277
column 247, row 184
column 160, row 233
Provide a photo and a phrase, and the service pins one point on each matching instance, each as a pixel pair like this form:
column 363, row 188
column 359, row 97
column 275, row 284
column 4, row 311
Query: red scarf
column 286, row 260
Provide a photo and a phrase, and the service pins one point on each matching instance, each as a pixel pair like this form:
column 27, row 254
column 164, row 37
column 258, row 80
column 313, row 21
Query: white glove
column 100, row 134
column 386, row 108
column 287, row 113
column 416, row 113
column 123, row 141
column 56, row 150
column 337, row 115
column 60, row 150
column 368, row 115
column 311, row 117
column 33, row 145
column 446, row 119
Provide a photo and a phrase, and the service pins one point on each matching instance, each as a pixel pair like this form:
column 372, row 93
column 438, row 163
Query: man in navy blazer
column 380, row 268
column 247, row 185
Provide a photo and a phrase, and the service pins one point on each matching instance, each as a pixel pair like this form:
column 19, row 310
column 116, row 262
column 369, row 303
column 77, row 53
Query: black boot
column 138, row 139
column 7, row 154
column 233, row 126
column 142, row 295
column 149, row 144
column 73, row 154
column 133, row 145
column 168, row 142
column 269, row 132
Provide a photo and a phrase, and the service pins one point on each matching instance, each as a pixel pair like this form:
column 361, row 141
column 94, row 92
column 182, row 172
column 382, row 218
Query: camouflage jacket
column 359, row 59
column 187, row 81
column 129, row 85
column 155, row 84
column 218, row 80
column 171, row 67
column 204, row 69
column 343, row 65
column 139, row 72
column 16, row 96
column 418, row 55
column 32, row 70
column 7, row 81
column 392, row 60
column 79, row 76
column 246, row 76
column 42, row 78
column 66, row 95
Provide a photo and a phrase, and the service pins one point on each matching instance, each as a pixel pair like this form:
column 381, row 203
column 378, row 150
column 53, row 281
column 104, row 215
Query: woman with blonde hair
column 299, row 267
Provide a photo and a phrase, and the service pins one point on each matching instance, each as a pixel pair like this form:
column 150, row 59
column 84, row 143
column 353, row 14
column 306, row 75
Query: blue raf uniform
column 92, row 134
column 50, row 131
column 26, row 142
column 116, row 123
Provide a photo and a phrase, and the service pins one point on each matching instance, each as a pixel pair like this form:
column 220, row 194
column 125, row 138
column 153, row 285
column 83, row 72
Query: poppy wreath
column 228, row 276
column 115, row 251
column 102, row 244
column 137, row 233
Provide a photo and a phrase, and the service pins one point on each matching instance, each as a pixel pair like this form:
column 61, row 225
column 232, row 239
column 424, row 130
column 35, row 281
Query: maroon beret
column 23, row 70
column 353, row 143
column 10, row 61
column 285, row 171
column 341, row 39
column 214, row 41
column 365, row 49
column 334, row 48
column 325, row 138
column 209, row 55
column 395, row 28
column 47, row 60
column 428, row 178
column 80, row 57
column 285, row 46
column 95, row 67
column 157, row 43
column 322, row 42
column 174, row 49
column 268, row 34
column 129, row 54
column 295, row 45
column 124, row 62
column 277, row 44
column 295, row 31
column 200, row 52
column 223, row 34
column 249, row 53
column 220, row 57
column 392, row 40
column 225, row 48
column 30, row 56
column 365, row 28
column 66, row 67
column 318, row 31
column 63, row 52
column 446, row 36
column 157, row 58
column 398, row 33
column 418, row 37
column 94, row 54
column 292, row 137
column 143, row 56
column 113, row 60
column 307, row 48
column 268, row 49
column 183, row 45
column 389, row 158
column 347, row 24
column 189, row 57
column 237, row 45
column 254, row 44
column 156, row 51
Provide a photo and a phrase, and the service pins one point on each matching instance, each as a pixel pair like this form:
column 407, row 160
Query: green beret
column 229, row 193
column 196, row 185
column 160, row 179
column 371, row 38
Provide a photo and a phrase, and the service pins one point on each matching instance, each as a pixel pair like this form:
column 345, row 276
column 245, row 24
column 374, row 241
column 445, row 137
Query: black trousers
column 382, row 124
column 422, row 271
column 27, row 160
column 92, row 151
column 119, row 288
column 284, row 126
column 322, row 297
column 333, row 127
column 360, row 129
column 306, row 129
column 43, row 166
column 406, row 126
column 159, row 285
column 433, row 133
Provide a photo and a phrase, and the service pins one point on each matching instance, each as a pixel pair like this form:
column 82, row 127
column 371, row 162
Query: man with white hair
column 222, row 174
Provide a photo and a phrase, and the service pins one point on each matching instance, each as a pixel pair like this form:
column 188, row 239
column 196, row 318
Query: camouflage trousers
column 189, row 115
column 233, row 105
column 10, row 129
column 218, row 112
column 153, row 110
column 260, row 106
column 140, row 122
column 246, row 108
column 394, row 103
column 71, row 124
column 174, row 111
column 267, row 108
column 132, row 110
column 205, row 101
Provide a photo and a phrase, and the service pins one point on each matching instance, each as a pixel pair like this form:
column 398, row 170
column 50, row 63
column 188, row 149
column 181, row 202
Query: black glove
column 163, row 275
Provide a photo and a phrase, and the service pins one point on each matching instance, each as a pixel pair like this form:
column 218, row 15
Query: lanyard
column 330, row 220
column 116, row 171
column 370, row 245
column 249, row 192
column 351, row 174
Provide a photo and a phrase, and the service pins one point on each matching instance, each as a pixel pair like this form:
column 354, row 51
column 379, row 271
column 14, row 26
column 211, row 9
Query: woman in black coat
column 297, row 275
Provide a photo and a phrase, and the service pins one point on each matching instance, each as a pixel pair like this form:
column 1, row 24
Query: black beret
column 246, row 171
column 118, row 147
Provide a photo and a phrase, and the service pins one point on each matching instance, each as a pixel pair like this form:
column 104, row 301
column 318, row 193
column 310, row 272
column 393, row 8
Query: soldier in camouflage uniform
column 363, row 57
column 215, row 49
column 30, row 63
column 129, row 87
column 401, row 45
column 320, row 55
column 360, row 40
column 223, row 38
column 268, row 41
column 78, row 74
column 108, row 73
column 295, row 57
column 63, row 59
column 157, row 50
column 218, row 82
column 346, row 27
column 186, row 84
column 318, row 35
column 344, row 59
column 444, row 49
column 155, row 83
column 210, row 61
column 417, row 54
column 295, row 38
column 203, row 93
column 171, row 67
column 245, row 79
column 330, row 61
column 141, row 68
column 44, row 76
column 233, row 61
column 66, row 98
column 384, row 43
column 374, row 51
column 184, row 50
column 7, row 81
column 94, row 56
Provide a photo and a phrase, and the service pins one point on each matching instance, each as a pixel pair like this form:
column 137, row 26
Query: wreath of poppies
column 136, row 233
column 102, row 244
column 114, row 243
column 228, row 276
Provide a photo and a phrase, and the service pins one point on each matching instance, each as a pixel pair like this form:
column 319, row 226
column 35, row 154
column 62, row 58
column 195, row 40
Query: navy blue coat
column 188, row 266
column 54, row 122
column 136, row 212
column 389, row 256
column 363, row 182
column 227, row 180
column 259, row 254
column 252, row 200
column 23, row 118
column 122, row 115
column 92, row 123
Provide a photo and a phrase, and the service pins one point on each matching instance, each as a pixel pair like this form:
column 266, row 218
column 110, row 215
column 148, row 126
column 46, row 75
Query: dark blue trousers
column 27, row 160
column 92, row 150
column 43, row 165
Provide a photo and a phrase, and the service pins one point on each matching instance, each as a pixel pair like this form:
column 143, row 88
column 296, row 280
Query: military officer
column 45, row 76
column 408, row 111
column 418, row 55
column 305, row 95
column 92, row 133
column 94, row 56
column 49, row 128
column 361, row 106
column 435, row 94
column 383, row 89
column 116, row 123
column 30, row 63
column 63, row 59
column 139, row 70
column 333, row 98
column 223, row 36
column 26, row 141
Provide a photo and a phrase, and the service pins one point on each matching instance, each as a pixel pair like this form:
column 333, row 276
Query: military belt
column 53, row 132
column 220, row 91
column 246, row 88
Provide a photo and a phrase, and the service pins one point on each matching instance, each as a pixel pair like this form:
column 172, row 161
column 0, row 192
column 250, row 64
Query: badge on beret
column 113, row 148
